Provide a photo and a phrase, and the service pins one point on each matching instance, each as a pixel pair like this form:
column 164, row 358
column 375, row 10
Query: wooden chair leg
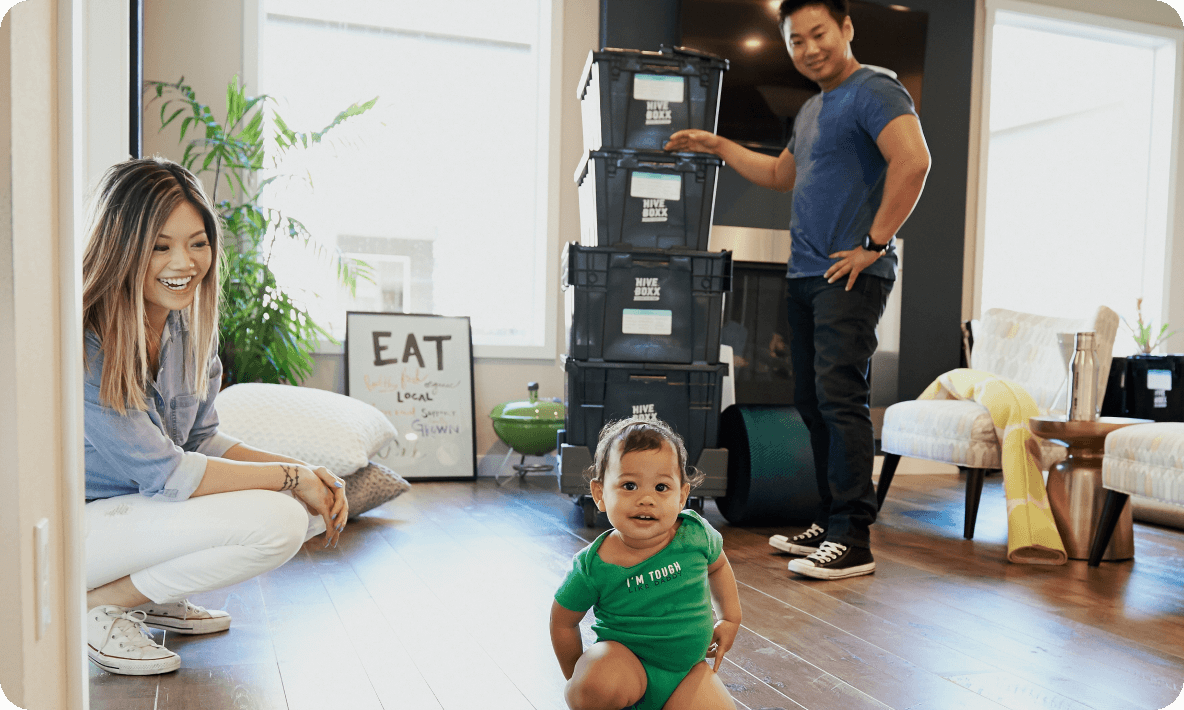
column 974, row 492
column 887, row 471
column 1111, row 510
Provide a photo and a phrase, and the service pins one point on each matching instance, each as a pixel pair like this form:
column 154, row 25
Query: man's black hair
column 838, row 9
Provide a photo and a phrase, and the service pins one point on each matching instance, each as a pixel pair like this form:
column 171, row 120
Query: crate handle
column 687, row 51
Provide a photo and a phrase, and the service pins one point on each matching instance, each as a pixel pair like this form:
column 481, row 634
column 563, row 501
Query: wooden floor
column 440, row 600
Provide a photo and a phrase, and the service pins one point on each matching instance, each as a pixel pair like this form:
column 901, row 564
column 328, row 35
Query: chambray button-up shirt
column 160, row 452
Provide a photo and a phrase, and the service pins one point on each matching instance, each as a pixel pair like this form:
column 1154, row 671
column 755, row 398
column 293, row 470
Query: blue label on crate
column 1159, row 380
column 660, row 88
column 646, row 321
column 655, row 186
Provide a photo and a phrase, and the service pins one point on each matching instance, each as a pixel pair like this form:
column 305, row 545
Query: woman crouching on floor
column 174, row 507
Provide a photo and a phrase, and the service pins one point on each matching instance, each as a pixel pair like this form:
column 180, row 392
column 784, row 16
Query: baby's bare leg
column 700, row 690
column 607, row 677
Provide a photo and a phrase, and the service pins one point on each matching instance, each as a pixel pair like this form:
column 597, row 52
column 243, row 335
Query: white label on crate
column 657, row 87
column 645, row 411
column 653, row 210
column 641, row 321
column 1160, row 400
column 646, row 289
column 1159, row 379
column 655, row 186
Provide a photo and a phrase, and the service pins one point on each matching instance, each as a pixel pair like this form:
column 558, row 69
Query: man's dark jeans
column 832, row 338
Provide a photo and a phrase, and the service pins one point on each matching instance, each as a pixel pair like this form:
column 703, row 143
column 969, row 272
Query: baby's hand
column 722, row 639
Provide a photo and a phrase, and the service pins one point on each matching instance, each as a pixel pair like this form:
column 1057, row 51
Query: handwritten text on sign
column 419, row 375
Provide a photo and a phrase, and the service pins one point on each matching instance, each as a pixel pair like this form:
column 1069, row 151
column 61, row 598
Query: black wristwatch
column 870, row 245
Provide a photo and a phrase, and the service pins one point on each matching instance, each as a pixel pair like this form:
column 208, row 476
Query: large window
column 442, row 187
column 1077, row 208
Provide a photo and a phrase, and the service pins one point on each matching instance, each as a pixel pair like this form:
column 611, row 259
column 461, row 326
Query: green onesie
column 660, row 609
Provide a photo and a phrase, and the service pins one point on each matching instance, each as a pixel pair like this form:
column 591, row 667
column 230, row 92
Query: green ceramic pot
column 529, row 426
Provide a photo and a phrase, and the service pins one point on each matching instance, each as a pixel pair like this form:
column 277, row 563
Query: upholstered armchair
column 1020, row 347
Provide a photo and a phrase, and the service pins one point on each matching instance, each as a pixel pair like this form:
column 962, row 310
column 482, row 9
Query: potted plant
column 1142, row 332
column 265, row 335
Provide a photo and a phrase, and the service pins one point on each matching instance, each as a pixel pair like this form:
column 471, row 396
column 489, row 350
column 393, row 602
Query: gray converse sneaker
column 184, row 618
column 835, row 561
column 801, row 544
column 118, row 642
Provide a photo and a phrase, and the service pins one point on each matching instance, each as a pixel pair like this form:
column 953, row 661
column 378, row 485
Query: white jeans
column 174, row 549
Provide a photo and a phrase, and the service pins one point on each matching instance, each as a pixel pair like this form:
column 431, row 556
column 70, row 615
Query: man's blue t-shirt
column 840, row 170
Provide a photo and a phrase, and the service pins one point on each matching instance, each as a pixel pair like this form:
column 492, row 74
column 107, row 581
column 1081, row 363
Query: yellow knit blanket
column 1032, row 536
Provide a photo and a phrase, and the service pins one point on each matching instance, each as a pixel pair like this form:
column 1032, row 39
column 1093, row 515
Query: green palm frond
column 265, row 335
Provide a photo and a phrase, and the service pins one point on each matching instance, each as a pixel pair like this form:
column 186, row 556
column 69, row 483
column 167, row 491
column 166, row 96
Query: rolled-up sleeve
column 204, row 437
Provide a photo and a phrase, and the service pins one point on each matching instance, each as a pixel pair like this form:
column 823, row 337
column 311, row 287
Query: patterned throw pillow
column 372, row 486
column 317, row 426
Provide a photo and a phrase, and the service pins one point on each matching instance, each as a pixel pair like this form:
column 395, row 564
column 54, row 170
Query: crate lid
column 673, row 60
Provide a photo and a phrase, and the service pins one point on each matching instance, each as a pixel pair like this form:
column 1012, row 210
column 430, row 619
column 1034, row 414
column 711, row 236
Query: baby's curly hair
column 636, row 434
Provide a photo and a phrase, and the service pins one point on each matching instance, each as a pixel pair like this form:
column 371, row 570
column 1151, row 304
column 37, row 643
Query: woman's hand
column 337, row 487
column 693, row 140
column 307, row 486
column 722, row 639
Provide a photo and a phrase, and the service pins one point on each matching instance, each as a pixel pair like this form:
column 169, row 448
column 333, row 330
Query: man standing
column 856, row 163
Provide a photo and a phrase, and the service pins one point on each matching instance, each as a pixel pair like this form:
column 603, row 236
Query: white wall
column 63, row 121
column 200, row 42
column 31, row 359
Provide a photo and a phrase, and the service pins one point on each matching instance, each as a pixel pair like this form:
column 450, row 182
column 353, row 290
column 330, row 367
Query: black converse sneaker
column 802, row 544
column 835, row 561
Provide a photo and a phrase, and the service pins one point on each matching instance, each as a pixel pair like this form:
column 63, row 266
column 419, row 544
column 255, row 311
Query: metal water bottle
column 1083, row 382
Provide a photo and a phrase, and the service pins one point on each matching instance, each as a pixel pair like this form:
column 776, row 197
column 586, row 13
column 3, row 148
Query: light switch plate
column 41, row 575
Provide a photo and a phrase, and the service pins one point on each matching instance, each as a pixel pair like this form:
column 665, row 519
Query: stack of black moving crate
column 643, row 295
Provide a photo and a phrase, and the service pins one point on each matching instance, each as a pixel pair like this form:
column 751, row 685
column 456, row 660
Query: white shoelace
column 814, row 530
column 136, row 619
column 192, row 610
column 827, row 552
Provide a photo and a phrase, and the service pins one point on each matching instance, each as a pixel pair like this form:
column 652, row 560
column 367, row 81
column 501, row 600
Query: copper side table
column 1075, row 491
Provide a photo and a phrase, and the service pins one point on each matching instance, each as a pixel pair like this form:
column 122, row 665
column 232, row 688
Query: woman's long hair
column 133, row 202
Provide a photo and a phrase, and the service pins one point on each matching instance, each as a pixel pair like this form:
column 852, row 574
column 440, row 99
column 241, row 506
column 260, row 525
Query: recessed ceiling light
column 753, row 43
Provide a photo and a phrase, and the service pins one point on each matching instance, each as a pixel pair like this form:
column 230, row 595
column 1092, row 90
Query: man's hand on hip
column 850, row 263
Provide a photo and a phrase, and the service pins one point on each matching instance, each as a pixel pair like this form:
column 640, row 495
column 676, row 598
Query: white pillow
column 318, row 427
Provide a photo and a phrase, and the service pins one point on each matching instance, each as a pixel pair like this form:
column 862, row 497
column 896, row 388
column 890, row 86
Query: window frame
column 975, row 246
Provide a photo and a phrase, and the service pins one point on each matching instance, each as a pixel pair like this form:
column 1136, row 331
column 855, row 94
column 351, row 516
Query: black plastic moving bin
column 625, row 305
column 1153, row 388
column 651, row 199
column 684, row 396
column 635, row 99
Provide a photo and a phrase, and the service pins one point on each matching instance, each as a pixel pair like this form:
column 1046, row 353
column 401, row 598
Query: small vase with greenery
column 265, row 335
column 1142, row 332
